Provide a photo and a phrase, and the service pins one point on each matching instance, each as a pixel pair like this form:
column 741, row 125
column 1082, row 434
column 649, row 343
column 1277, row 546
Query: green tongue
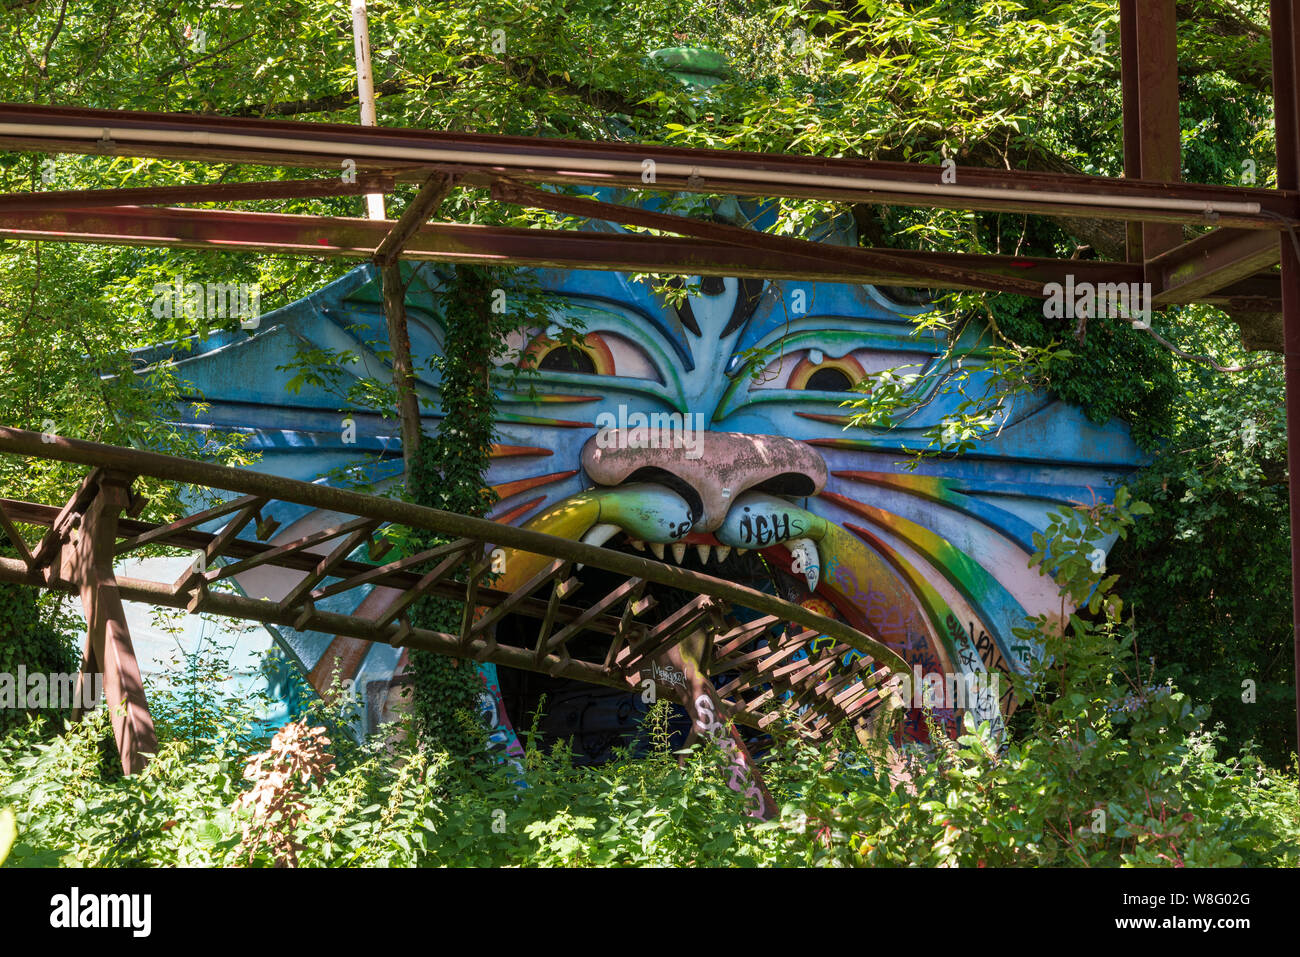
column 650, row 513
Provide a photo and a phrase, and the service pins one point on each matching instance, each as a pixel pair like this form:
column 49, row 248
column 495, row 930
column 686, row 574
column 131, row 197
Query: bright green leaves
column 8, row 832
column 986, row 373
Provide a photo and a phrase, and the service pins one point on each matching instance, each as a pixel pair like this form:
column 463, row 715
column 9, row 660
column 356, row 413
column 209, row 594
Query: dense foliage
column 1207, row 574
column 1116, row 769
column 28, row 638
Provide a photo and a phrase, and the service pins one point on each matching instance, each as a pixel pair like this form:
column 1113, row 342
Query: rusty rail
column 758, row 667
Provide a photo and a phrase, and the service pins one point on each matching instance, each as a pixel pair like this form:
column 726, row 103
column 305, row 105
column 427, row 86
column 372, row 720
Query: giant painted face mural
column 709, row 435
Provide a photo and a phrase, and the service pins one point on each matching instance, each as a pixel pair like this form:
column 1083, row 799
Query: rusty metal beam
column 237, row 606
column 1131, row 125
column 87, row 565
column 686, row 638
column 425, row 204
column 195, row 193
column 172, row 468
column 393, row 575
column 327, row 564
column 866, row 260
column 479, row 158
column 712, row 718
column 156, row 593
column 1203, row 266
column 1152, row 138
column 1285, row 20
column 15, row 537
column 522, row 593
column 290, row 235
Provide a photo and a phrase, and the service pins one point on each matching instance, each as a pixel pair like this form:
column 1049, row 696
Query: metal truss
column 730, row 655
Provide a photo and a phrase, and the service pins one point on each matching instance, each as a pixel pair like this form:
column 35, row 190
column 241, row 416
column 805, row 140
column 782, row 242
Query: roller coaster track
column 730, row 655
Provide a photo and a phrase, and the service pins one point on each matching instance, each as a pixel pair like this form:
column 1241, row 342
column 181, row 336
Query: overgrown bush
column 33, row 640
column 1110, row 768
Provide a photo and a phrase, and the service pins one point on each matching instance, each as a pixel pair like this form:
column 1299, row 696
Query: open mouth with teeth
column 737, row 511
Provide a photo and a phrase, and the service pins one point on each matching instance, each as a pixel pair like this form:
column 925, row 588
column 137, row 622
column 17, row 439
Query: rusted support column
column 387, row 258
column 1152, row 139
column 709, row 718
column 88, row 563
column 399, row 338
column 1286, row 105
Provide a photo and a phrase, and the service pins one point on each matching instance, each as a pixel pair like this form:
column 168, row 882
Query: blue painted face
column 703, row 432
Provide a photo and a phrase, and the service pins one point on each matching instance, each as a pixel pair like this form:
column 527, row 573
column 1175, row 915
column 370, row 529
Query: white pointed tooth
column 722, row 553
column 599, row 535
column 639, row 546
column 703, row 552
column 741, row 551
column 805, row 560
column 658, row 549
column 679, row 551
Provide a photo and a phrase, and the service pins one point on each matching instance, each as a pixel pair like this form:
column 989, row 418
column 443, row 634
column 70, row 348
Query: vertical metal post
column 1132, row 125
column 1152, row 138
column 1286, row 52
column 88, row 561
column 366, row 89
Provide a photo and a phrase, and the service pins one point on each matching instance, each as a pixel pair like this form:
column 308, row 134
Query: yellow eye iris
column 591, row 356
column 829, row 375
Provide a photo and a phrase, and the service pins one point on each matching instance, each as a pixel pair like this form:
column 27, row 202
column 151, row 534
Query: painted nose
column 708, row 469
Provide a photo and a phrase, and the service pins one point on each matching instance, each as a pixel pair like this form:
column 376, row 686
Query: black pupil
column 567, row 359
column 829, row 380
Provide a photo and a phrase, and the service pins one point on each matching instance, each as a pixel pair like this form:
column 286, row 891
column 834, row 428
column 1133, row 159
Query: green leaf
column 8, row 831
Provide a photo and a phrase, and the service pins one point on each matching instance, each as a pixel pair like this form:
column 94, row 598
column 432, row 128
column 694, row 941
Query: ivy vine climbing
column 480, row 308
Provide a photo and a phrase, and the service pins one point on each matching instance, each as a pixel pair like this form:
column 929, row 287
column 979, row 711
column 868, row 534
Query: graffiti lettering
column 668, row 675
column 741, row 779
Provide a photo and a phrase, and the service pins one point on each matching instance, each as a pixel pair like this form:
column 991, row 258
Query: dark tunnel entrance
column 595, row 720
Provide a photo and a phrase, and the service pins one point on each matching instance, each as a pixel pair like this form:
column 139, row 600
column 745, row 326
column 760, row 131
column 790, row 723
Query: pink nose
column 710, row 471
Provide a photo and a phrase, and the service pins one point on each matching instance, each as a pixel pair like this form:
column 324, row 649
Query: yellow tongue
column 570, row 519
column 647, row 512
